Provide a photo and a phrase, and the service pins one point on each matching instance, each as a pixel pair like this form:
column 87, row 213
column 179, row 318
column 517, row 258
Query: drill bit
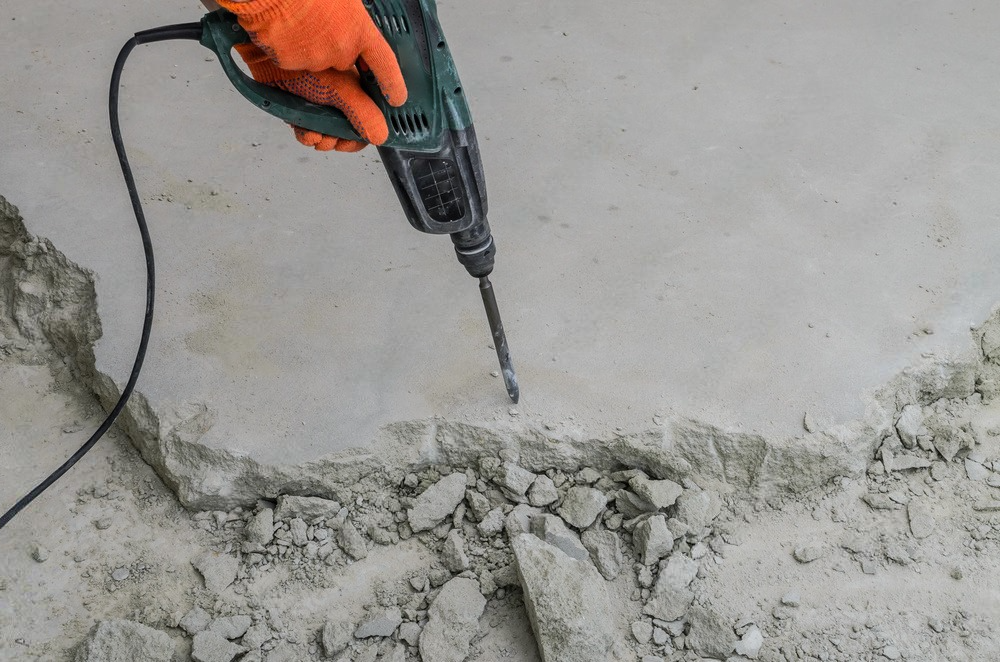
column 499, row 338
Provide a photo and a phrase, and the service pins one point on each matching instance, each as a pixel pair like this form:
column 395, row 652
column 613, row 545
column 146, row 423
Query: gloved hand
column 340, row 89
column 313, row 46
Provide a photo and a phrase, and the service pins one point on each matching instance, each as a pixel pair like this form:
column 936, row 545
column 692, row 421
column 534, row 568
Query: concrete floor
column 740, row 211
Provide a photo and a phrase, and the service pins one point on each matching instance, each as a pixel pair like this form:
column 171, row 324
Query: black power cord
column 182, row 31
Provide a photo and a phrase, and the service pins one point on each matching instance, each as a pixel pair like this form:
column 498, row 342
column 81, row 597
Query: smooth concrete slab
column 740, row 211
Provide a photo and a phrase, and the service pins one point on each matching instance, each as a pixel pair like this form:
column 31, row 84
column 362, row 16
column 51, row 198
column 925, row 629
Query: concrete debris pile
column 607, row 566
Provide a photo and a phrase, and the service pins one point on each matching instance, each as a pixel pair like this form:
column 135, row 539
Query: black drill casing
column 443, row 191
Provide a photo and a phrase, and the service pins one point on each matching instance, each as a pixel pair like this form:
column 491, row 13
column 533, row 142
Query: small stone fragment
column 437, row 502
column 581, row 506
column 910, row 424
column 218, row 570
column 336, row 636
column 809, row 552
column 660, row 494
column 453, row 553
column 652, row 540
column 642, row 631
column 380, row 623
column 605, row 552
column 542, row 492
column 352, row 542
column 231, row 627
column 410, row 633
column 260, row 528
column 791, row 599
column 670, row 596
column 698, row 508
column 452, row 621
column 554, row 531
column 211, row 647
column 514, row 478
column 896, row 553
column 749, row 646
column 921, row 520
column 986, row 506
column 298, row 528
column 196, row 620
column 492, row 524
column 976, row 471
column 306, row 508
column 903, row 462
column 39, row 553
column 125, row 641
column 710, row 635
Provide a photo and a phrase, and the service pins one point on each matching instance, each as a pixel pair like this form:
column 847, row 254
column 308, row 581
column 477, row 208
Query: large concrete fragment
column 125, row 641
column 671, row 597
column 566, row 601
column 452, row 621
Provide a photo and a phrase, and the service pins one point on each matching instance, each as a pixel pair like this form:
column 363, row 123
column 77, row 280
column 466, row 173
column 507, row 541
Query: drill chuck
column 475, row 249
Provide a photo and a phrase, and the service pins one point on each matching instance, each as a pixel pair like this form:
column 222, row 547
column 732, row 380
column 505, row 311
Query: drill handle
column 220, row 32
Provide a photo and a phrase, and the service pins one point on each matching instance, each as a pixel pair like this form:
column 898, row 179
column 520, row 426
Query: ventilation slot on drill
column 440, row 189
column 409, row 123
column 391, row 23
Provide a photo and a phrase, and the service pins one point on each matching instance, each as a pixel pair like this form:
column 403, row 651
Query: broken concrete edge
column 53, row 301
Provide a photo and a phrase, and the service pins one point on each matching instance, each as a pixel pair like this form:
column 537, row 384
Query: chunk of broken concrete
column 750, row 644
column 809, row 552
column 260, row 528
column 519, row 520
column 337, row 636
column 710, row 634
column 211, row 647
column 554, row 531
column 652, row 539
column 218, row 570
column 307, row 508
column 605, row 552
column 196, row 620
column 697, row 508
column 352, row 542
column 542, row 492
column 903, row 462
column 660, row 493
column 437, row 502
column 452, row 621
column 453, row 553
column 380, row 623
column 566, row 600
column 670, row 597
column 910, row 424
column 581, row 506
column 125, row 641
column 514, row 478
column 231, row 627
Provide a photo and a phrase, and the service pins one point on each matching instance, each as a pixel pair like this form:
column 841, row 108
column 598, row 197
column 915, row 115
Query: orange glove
column 340, row 89
column 316, row 35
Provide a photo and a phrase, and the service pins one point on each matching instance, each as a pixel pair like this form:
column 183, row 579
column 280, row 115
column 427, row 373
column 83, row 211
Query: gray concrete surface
column 736, row 211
